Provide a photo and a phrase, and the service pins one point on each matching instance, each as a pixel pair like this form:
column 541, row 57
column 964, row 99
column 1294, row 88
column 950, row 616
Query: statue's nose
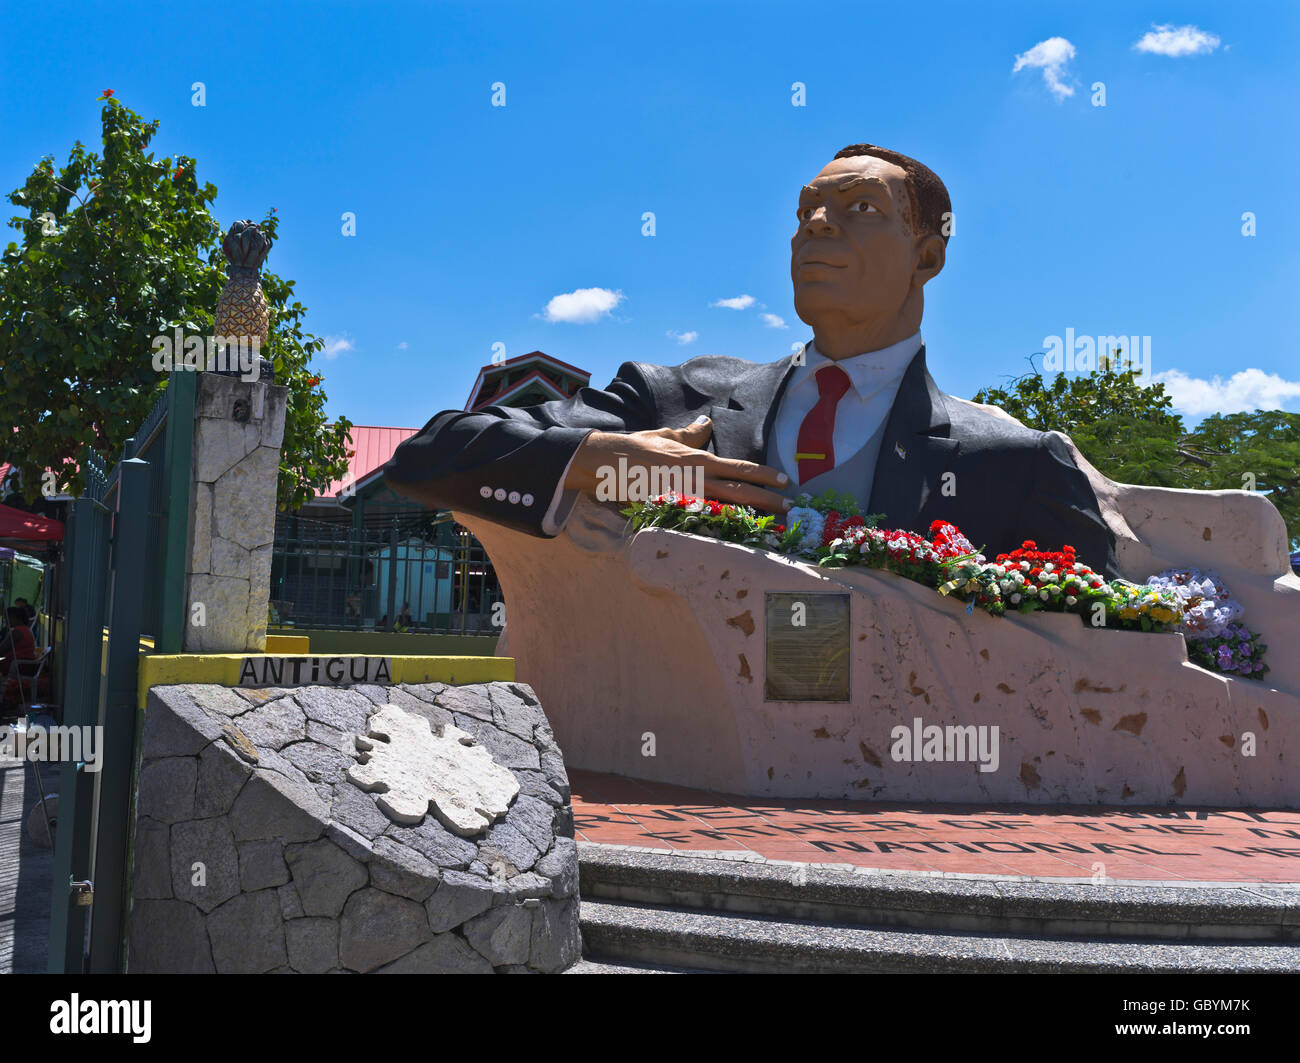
column 820, row 222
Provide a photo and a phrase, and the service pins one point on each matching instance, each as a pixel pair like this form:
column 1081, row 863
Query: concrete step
column 1000, row 907
column 596, row 967
column 627, row 933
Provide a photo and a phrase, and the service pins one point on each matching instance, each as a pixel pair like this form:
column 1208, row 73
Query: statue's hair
column 927, row 195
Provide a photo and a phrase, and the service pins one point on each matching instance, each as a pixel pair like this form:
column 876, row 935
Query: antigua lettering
column 267, row 671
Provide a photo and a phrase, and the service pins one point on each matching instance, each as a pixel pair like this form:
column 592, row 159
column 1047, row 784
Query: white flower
column 811, row 524
column 1015, row 598
column 1070, row 599
column 1208, row 607
column 696, row 506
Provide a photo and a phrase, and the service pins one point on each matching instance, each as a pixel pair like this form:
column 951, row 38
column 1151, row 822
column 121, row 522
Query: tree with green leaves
column 1128, row 430
column 1257, row 451
column 116, row 249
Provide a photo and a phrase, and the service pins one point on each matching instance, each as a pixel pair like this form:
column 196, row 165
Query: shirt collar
column 869, row 371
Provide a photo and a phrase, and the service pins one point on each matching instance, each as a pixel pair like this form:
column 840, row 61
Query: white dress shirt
column 874, row 380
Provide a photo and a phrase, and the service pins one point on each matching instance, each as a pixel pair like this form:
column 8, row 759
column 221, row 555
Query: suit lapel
column 915, row 450
column 742, row 427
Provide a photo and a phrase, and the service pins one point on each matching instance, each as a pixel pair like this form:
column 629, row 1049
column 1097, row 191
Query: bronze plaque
column 807, row 652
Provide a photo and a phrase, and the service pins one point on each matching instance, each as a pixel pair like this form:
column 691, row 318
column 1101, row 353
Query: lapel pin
column 898, row 449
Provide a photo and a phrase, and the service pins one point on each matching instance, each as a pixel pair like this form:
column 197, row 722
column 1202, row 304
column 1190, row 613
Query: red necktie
column 815, row 448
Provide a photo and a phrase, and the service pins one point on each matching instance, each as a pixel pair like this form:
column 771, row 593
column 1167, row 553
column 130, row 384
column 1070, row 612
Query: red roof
column 371, row 447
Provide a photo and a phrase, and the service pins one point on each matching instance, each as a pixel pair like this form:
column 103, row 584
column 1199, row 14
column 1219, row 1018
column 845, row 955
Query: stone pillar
column 238, row 427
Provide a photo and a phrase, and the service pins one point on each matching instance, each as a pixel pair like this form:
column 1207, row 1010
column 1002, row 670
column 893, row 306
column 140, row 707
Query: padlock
column 85, row 893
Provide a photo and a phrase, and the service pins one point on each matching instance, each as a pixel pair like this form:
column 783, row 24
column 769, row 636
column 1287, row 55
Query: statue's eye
column 806, row 214
column 863, row 206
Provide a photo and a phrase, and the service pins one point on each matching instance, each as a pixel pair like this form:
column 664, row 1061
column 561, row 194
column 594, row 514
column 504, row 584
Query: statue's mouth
column 812, row 260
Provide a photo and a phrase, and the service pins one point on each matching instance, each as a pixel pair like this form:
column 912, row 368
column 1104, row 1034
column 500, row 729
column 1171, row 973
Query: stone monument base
column 256, row 851
column 655, row 656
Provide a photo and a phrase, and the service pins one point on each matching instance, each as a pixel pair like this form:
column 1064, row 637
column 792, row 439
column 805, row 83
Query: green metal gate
column 125, row 548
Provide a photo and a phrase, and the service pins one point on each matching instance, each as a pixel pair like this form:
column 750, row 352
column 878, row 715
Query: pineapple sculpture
column 242, row 309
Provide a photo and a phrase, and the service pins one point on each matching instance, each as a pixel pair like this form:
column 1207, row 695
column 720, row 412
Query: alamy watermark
column 77, row 1016
column 920, row 743
column 224, row 354
column 1084, row 354
column 71, row 744
column 642, row 483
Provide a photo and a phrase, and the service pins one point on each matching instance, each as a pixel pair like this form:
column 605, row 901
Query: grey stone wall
column 236, row 464
column 255, row 853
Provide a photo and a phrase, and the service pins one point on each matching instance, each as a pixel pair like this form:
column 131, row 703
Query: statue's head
column 873, row 229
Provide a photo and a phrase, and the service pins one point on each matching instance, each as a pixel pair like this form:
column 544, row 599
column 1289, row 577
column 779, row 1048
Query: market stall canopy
column 17, row 526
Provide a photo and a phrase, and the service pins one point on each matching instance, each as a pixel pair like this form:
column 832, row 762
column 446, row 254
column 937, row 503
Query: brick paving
column 1035, row 841
column 25, row 870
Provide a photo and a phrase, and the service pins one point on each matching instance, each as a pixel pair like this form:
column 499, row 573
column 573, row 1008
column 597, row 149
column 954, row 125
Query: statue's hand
column 725, row 479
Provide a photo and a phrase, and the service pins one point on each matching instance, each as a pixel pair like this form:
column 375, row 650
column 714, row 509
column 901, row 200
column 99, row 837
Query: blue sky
column 470, row 219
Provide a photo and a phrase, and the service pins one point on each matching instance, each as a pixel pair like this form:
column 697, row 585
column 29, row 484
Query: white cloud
column 1049, row 56
column 402, row 346
column 683, row 337
column 772, row 321
column 740, row 302
column 583, row 306
column 1245, row 390
column 1177, row 41
column 336, row 345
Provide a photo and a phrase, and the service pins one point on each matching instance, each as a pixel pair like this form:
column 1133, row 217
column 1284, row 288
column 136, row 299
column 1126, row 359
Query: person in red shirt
column 18, row 641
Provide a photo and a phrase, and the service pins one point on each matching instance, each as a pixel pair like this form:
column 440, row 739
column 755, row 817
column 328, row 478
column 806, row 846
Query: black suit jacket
column 1009, row 482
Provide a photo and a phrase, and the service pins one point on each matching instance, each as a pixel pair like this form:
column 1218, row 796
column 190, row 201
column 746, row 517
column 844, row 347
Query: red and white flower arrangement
column 831, row 530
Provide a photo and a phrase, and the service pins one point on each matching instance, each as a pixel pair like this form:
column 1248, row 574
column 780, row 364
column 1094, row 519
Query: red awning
column 27, row 527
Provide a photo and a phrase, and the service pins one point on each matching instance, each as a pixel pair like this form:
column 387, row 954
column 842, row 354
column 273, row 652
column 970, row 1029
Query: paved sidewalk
column 25, row 870
column 1143, row 844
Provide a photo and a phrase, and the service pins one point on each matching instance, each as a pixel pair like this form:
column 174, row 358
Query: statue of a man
column 855, row 411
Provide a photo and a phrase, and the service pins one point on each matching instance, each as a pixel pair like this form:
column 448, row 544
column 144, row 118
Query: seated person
column 30, row 610
column 18, row 642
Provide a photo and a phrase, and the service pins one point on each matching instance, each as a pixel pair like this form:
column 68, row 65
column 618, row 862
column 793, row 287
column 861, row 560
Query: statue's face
column 854, row 252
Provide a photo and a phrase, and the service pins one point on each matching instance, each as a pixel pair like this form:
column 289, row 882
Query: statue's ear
column 931, row 253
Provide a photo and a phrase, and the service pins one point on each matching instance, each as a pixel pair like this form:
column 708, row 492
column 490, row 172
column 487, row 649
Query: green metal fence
column 124, row 551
